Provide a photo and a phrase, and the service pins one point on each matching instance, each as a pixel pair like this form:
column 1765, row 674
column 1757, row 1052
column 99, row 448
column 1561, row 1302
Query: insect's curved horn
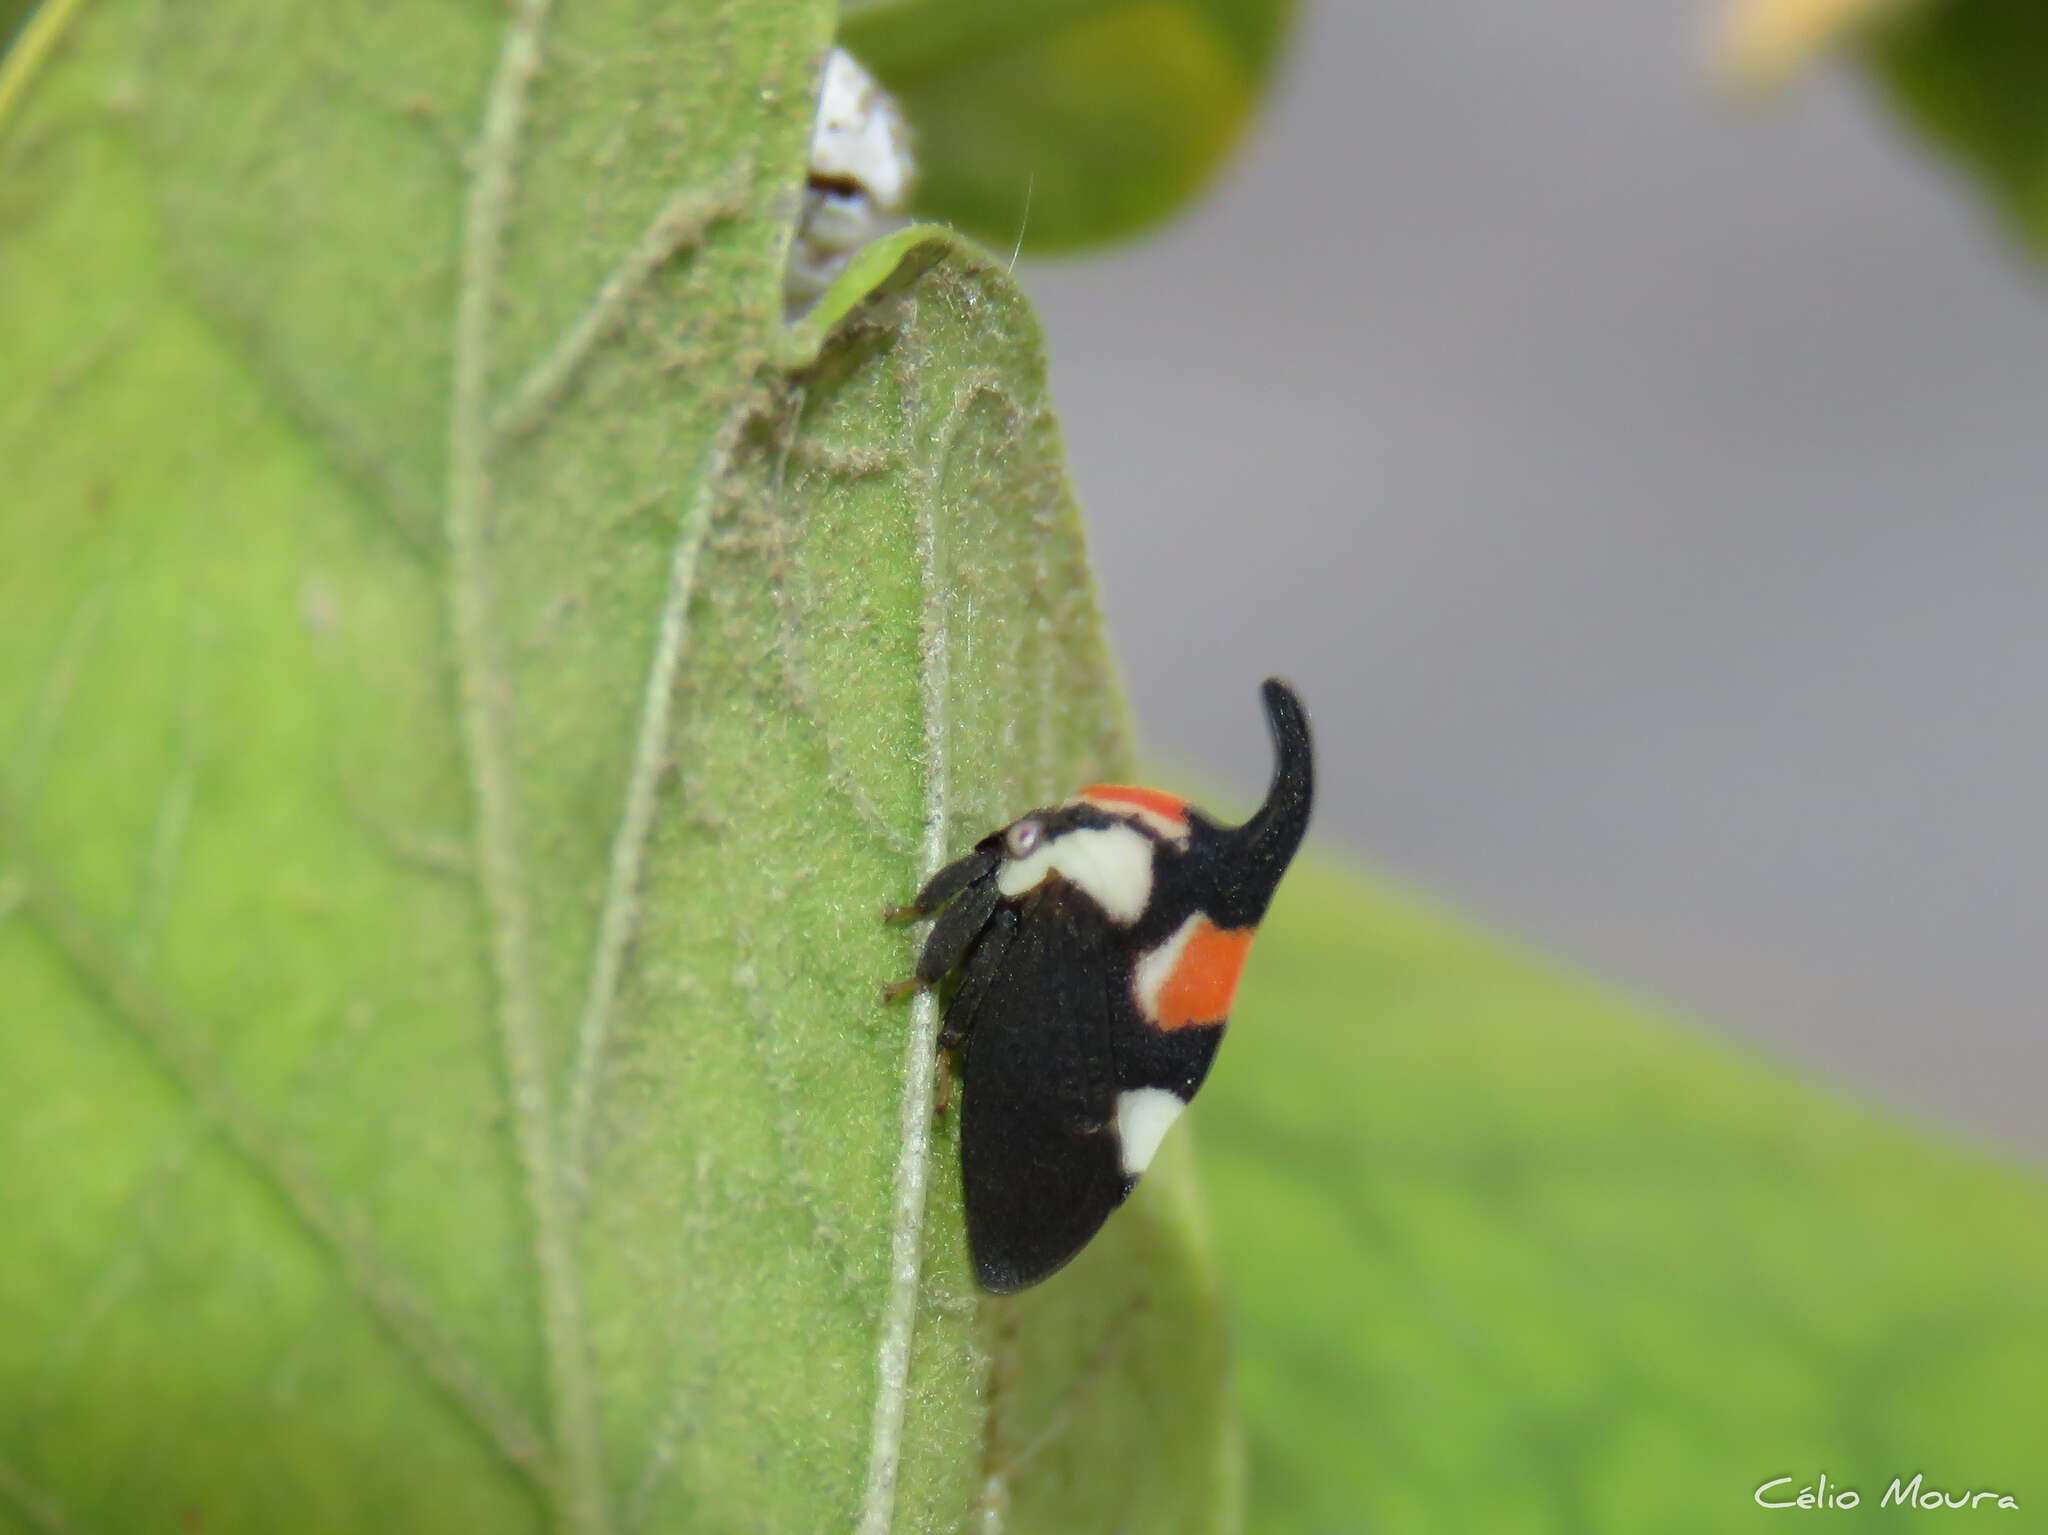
column 1264, row 845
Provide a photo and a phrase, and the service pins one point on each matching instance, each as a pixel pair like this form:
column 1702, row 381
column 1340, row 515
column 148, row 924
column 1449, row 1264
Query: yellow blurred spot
column 1761, row 43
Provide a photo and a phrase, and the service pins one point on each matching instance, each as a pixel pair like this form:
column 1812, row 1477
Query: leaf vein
column 483, row 690
column 619, row 913
column 173, row 814
column 381, row 491
column 680, row 225
column 80, row 632
column 390, row 1300
column 37, row 1507
column 796, row 681
column 913, row 1159
column 124, row 1263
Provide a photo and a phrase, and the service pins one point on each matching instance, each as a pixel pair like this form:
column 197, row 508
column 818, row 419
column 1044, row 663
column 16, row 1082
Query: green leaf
column 466, row 695
column 1973, row 76
column 12, row 14
column 1064, row 123
column 1507, row 1253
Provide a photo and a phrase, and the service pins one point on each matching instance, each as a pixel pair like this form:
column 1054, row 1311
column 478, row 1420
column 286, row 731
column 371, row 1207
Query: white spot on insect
column 1112, row 864
column 1168, row 829
column 861, row 173
column 1143, row 1116
column 1155, row 965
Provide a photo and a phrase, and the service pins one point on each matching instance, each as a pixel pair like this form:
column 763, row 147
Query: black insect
column 1098, row 945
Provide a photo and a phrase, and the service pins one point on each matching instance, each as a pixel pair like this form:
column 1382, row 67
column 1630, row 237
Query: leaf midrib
column 482, row 689
column 920, row 1055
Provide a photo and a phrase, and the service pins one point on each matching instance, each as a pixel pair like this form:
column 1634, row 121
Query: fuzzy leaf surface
column 471, row 680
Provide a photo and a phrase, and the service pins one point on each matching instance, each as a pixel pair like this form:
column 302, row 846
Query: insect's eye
column 1022, row 839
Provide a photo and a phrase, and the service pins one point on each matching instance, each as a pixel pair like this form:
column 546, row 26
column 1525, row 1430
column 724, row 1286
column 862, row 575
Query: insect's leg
column 951, row 936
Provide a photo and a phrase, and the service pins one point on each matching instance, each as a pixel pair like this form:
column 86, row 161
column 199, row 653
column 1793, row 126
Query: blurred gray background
column 1650, row 495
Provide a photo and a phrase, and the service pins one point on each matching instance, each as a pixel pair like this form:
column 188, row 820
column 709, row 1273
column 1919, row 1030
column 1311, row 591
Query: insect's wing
column 1038, row 1139
column 959, row 925
column 951, row 880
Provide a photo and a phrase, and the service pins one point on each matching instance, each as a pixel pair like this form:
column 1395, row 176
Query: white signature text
column 1825, row 1494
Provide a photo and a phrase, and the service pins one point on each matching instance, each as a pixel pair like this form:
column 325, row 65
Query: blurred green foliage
column 1059, row 124
column 1507, row 1252
column 1973, row 76
column 1970, row 75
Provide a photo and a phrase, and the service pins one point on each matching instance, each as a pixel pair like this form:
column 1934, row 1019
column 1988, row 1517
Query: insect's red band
column 1111, row 795
column 1203, row 981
